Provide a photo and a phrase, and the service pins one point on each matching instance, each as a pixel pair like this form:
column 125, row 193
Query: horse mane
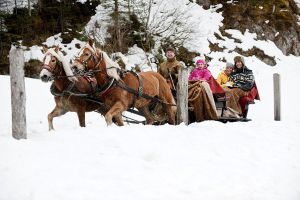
column 65, row 64
column 124, row 60
column 111, row 66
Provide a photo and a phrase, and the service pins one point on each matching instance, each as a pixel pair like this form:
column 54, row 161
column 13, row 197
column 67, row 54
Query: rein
column 84, row 62
column 67, row 91
column 113, row 82
column 143, row 95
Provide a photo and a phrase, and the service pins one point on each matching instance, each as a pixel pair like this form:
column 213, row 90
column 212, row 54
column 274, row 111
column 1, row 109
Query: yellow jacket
column 223, row 78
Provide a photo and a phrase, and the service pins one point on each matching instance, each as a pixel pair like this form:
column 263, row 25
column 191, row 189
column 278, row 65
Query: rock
column 281, row 27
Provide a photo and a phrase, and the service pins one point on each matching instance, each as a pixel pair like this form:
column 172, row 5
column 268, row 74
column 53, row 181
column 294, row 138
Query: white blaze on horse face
column 47, row 59
column 45, row 74
column 86, row 54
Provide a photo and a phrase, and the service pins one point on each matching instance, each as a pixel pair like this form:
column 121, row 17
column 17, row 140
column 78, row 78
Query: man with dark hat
column 243, row 80
column 170, row 68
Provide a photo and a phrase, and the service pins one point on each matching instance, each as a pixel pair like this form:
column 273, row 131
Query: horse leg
column 81, row 117
column 115, row 111
column 170, row 109
column 171, row 113
column 119, row 120
column 56, row 112
column 147, row 115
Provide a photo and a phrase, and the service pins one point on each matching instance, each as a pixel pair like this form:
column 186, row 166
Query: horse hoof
column 109, row 122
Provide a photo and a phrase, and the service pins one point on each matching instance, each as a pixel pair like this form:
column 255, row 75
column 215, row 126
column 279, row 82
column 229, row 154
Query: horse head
column 97, row 61
column 54, row 65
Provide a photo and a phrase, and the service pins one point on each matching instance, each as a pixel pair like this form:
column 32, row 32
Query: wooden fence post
column 18, row 95
column 182, row 96
column 277, row 100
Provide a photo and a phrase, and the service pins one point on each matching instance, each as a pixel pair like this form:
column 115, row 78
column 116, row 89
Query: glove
column 236, row 85
column 229, row 84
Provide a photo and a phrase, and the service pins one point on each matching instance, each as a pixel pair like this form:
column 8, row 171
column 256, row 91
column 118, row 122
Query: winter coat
column 171, row 68
column 223, row 78
column 200, row 74
column 242, row 78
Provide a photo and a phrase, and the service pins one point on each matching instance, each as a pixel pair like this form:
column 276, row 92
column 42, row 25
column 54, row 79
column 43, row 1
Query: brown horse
column 55, row 68
column 126, row 92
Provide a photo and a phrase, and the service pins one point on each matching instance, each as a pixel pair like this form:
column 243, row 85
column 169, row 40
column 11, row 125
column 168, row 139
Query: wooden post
column 182, row 96
column 277, row 102
column 18, row 96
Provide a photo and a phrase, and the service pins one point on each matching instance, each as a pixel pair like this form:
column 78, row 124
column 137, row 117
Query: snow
column 298, row 2
column 210, row 160
column 97, row 26
column 236, row 161
column 9, row 5
column 137, row 56
column 34, row 52
column 70, row 49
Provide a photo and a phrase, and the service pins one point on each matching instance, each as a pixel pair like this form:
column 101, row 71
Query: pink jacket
column 200, row 74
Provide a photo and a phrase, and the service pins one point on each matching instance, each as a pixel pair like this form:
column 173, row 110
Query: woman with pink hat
column 200, row 72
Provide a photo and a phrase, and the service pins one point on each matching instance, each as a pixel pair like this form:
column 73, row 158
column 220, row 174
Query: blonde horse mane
column 111, row 66
column 65, row 64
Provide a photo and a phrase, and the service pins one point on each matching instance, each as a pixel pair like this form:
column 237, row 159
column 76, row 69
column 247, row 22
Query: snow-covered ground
column 210, row 160
column 257, row 160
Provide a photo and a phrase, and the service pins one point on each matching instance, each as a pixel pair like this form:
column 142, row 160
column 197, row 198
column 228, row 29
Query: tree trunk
column 61, row 17
column 18, row 95
column 16, row 7
column 117, row 25
column 40, row 4
column 29, row 8
column 129, row 8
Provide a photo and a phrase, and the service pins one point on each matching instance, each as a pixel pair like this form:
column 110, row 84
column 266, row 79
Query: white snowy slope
column 210, row 160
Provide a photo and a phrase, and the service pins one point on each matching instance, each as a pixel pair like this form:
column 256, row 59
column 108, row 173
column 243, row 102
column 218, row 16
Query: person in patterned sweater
column 242, row 80
column 242, row 77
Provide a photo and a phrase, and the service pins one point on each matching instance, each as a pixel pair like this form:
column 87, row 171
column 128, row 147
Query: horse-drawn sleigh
column 107, row 90
column 200, row 107
column 96, row 83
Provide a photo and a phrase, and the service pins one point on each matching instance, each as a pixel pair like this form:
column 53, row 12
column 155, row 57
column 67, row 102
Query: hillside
column 117, row 28
column 274, row 20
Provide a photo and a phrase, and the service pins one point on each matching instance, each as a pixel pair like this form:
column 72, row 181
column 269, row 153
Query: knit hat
column 239, row 59
column 200, row 61
column 229, row 64
column 170, row 49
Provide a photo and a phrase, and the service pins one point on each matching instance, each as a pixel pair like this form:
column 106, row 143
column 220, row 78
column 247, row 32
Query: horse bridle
column 47, row 66
column 94, row 57
column 53, row 70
